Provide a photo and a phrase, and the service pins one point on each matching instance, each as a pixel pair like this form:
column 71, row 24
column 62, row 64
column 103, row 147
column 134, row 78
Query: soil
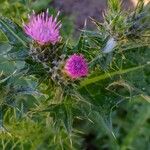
column 81, row 10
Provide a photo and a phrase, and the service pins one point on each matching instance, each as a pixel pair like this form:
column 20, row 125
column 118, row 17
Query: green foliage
column 111, row 105
column 13, row 32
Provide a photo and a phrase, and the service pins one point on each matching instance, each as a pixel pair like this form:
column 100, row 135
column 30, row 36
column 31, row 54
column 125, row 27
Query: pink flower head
column 76, row 66
column 43, row 28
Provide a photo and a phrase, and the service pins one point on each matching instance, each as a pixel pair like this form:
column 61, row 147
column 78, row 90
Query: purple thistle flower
column 76, row 66
column 43, row 28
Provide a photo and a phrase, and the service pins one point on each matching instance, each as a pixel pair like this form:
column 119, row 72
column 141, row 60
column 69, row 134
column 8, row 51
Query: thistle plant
column 54, row 94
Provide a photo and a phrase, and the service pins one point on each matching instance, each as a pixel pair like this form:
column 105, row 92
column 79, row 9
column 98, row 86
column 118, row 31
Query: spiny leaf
column 18, row 53
column 8, row 77
column 13, row 32
column 142, row 117
column 105, row 76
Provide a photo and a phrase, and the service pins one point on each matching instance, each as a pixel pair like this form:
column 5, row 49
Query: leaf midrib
column 107, row 75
